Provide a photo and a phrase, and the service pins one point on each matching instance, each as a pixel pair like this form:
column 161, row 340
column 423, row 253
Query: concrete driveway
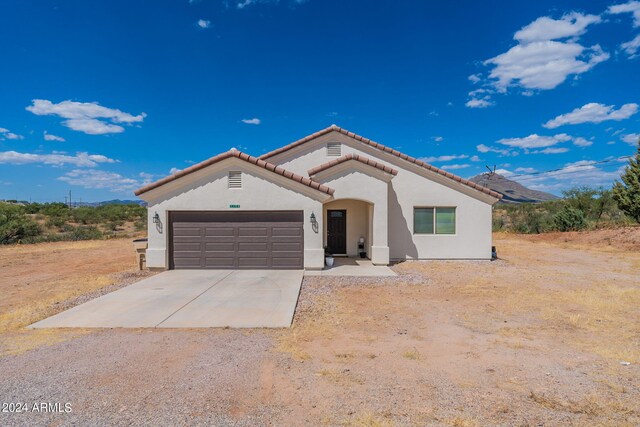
column 192, row 299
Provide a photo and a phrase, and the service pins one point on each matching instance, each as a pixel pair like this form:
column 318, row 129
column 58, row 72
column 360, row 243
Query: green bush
column 15, row 225
column 569, row 219
column 85, row 233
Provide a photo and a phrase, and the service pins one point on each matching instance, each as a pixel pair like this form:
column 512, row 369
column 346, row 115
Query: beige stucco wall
column 413, row 186
column 261, row 190
column 357, row 223
column 355, row 181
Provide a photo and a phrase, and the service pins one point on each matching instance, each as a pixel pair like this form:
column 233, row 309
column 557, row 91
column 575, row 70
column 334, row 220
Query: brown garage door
column 236, row 239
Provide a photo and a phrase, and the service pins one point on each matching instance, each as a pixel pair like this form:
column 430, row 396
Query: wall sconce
column 314, row 223
column 156, row 218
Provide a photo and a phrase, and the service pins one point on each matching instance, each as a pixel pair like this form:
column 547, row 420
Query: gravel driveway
column 141, row 377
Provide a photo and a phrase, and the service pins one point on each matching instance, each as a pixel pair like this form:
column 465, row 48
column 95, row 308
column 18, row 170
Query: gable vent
column 235, row 179
column 334, row 149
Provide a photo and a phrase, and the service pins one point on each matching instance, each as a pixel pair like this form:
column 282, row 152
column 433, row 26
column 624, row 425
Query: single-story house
column 331, row 191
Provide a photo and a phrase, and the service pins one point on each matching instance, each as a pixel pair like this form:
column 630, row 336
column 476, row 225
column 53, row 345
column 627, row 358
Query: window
column 434, row 220
column 333, row 149
column 235, row 179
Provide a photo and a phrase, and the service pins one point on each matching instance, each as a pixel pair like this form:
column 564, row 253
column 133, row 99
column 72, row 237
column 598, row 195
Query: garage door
column 236, row 239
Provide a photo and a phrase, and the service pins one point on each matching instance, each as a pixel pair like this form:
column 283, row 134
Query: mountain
column 112, row 202
column 512, row 191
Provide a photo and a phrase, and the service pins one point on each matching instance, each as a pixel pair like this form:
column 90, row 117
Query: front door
column 337, row 231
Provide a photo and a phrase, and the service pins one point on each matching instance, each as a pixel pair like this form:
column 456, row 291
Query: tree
column 15, row 225
column 627, row 192
column 569, row 219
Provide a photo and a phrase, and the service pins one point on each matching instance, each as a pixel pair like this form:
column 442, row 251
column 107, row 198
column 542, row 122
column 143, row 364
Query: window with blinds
column 334, row 149
column 437, row 220
column 235, row 179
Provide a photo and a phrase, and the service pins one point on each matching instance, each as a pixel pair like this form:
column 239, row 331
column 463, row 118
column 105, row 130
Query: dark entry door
column 337, row 231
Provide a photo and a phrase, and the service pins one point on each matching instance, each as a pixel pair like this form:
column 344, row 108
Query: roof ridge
column 242, row 156
column 386, row 149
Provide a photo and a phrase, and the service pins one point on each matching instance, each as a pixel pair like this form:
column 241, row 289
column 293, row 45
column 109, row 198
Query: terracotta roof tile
column 396, row 153
column 242, row 156
column 355, row 157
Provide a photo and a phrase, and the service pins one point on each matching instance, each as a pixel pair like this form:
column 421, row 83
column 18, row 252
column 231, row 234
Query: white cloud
column 174, row 170
column 55, row 159
column 543, row 64
column 630, row 7
column 88, row 117
column 444, row 158
column 580, row 173
column 593, row 113
column 502, row 151
column 545, row 28
column 437, row 138
column 203, row 23
column 7, row 134
column 474, row 78
column 525, row 170
column 552, row 150
column 455, row 166
column 475, row 159
column 582, row 142
column 49, row 137
column 631, row 47
column 504, row 172
column 535, row 141
column 547, row 53
column 631, row 138
column 254, row 121
column 478, row 103
column 101, row 180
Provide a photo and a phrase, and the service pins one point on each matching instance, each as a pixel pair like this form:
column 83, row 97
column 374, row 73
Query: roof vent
column 334, row 149
column 235, row 179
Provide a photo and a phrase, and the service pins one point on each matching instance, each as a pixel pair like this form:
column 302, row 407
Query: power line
column 567, row 169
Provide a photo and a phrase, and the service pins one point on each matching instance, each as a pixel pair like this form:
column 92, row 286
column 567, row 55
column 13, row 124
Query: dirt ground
column 547, row 335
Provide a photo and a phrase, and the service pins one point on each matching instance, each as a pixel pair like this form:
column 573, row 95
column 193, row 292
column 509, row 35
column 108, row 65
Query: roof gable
column 388, row 150
column 355, row 157
column 244, row 157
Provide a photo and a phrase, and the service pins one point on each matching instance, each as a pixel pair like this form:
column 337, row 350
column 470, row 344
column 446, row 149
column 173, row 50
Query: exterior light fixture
column 312, row 217
column 156, row 218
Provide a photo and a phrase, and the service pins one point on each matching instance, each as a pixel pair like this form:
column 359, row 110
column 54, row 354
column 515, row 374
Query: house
column 332, row 189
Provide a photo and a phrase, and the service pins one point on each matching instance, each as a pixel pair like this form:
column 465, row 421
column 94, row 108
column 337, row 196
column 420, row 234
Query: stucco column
column 156, row 255
column 380, row 243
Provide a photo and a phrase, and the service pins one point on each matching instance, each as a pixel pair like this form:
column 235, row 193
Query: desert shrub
column 55, row 222
column 529, row 218
column 569, row 219
column 15, row 225
column 140, row 225
column 85, row 233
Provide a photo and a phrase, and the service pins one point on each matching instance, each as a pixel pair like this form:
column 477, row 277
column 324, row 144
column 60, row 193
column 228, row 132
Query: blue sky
column 101, row 97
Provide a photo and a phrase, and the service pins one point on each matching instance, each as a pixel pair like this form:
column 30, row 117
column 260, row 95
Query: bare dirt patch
column 43, row 279
column 535, row 338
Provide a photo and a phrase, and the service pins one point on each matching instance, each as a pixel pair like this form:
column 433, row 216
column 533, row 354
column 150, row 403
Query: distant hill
column 512, row 191
column 112, row 202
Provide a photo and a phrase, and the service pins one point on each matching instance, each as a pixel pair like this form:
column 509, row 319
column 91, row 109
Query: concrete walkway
column 192, row 299
column 355, row 267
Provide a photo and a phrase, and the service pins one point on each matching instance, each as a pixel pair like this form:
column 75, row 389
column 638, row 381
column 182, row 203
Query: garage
column 236, row 240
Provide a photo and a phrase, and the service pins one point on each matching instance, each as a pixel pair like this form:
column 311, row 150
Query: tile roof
column 242, row 156
column 355, row 157
column 389, row 150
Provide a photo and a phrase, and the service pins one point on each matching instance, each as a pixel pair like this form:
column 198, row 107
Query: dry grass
column 39, row 278
column 369, row 420
column 462, row 422
column 411, row 354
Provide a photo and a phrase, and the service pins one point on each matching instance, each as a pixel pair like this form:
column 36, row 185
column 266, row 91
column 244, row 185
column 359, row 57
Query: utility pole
column 69, row 199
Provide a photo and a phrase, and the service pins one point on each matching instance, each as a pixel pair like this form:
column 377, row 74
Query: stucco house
column 332, row 189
